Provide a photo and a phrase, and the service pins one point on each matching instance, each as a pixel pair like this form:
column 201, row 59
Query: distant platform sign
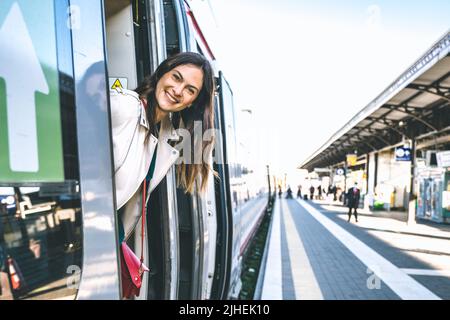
column 352, row 159
column 402, row 154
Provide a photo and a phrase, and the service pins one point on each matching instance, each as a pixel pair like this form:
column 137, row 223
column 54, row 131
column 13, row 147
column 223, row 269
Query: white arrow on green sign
column 30, row 121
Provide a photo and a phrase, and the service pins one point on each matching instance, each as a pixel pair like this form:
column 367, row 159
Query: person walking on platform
column 311, row 192
column 289, row 193
column 353, row 195
column 299, row 192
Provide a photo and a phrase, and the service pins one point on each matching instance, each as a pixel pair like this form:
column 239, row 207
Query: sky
column 305, row 68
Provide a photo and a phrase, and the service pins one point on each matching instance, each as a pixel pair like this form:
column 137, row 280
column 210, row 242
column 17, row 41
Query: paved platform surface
column 315, row 253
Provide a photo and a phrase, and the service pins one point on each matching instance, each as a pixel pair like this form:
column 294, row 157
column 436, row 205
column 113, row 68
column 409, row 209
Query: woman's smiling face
column 178, row 88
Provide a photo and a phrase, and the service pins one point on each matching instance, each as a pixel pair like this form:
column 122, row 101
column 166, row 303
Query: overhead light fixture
column 401, row 123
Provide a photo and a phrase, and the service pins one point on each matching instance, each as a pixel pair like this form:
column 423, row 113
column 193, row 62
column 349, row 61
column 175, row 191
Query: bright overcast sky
column 306, row 67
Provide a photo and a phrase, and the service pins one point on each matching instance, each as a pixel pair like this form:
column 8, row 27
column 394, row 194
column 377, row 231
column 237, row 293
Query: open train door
column 135, row 47
column 227, row 273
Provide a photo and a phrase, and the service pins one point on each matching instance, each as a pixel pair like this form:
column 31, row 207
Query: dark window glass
column 171, row 28
column 40, row 241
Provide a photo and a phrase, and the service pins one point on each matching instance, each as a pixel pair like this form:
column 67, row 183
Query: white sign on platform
column 446, row 200
column 443, row 159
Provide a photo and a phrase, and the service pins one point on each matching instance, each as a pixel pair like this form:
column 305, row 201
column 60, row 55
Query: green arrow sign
column 30, row 124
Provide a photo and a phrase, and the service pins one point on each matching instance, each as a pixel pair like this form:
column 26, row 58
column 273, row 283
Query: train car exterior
column 58, row 225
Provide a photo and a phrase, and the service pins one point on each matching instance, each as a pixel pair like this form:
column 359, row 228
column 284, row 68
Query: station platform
column 314, row 253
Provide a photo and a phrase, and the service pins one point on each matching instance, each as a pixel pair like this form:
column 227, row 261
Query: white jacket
column 133, row 155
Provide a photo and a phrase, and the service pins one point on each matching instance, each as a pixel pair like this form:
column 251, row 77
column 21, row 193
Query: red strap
column 144, row 102
column 144, row 190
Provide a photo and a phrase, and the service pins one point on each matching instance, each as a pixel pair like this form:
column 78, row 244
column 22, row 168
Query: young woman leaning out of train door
column 179, row 92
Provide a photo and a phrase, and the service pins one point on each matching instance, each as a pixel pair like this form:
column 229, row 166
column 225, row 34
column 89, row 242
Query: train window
column 199, row 50
column 232, row 145
column 171, row 28
column 40, row 210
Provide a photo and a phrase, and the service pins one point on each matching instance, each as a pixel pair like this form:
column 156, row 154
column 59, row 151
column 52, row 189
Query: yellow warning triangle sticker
column 117, row 84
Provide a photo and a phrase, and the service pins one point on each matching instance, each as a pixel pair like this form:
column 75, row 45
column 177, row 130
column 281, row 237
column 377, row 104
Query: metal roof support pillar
column 412, row 196
column 375, row 178
column 367, row 173
column 344, row 198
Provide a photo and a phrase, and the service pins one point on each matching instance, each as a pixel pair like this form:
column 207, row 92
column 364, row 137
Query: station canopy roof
column 415, row 105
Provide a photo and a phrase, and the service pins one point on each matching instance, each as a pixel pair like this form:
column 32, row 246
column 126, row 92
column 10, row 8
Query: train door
column 224, row 218
column 196, row 213
column 57, row 225
column 187, row 208
column 230, row 175
column 136, row 45
column 181, row 228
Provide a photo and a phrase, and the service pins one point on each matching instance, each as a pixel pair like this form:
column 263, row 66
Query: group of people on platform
column 315, row 193
column 352, row 196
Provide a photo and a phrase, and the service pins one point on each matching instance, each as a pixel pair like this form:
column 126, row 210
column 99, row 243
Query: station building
column 398, row 147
